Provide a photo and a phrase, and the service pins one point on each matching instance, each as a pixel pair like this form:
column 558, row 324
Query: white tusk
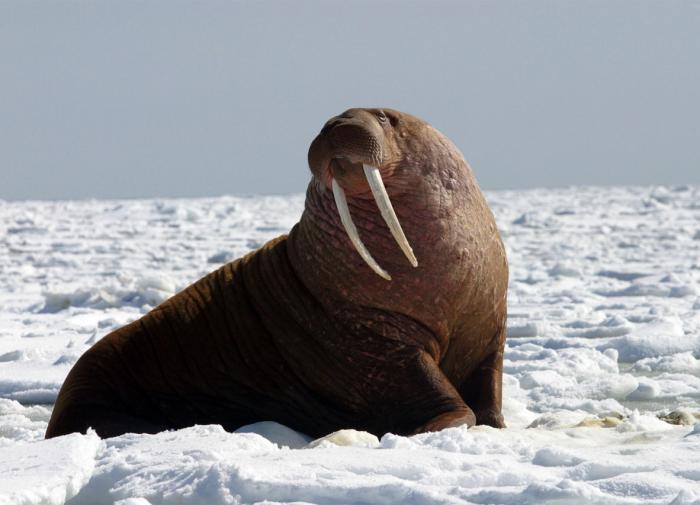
column 350, row 229
column 374, row 178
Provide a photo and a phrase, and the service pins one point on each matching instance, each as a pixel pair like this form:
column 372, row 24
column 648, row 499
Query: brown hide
column 302, row 332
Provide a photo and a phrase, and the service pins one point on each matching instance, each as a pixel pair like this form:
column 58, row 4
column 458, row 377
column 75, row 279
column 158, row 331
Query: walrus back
column 191, row 360
column 92, row 396
column 244, row 344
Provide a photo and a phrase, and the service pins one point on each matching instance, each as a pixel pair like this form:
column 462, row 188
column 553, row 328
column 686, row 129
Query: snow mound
column 47, row 472
column 204, row 464
column 149, row 291
column 661, row 338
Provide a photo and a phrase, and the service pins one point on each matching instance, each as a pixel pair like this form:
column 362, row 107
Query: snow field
column 602, row 368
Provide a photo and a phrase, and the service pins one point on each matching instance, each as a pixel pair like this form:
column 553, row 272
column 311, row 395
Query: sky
column 165, row 98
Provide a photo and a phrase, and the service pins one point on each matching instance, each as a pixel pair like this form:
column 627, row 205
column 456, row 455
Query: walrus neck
column 434, row 213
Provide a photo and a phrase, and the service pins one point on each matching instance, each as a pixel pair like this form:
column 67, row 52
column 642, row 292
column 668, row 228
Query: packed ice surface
column 602, row 367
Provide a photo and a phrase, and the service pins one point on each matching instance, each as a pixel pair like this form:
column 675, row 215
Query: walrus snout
column 357, row 142
column 346, row 143
column 354, row 136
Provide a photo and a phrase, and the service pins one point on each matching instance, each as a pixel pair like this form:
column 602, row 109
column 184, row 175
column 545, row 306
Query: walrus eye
column 381, row 116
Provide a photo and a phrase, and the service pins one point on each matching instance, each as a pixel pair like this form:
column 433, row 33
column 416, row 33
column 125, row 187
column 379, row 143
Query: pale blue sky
column 172, row 98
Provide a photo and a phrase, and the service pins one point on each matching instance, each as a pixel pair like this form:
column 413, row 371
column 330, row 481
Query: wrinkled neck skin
column 436, row 199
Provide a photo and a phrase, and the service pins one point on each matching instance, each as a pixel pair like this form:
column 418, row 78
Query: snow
column 47, row 472
column 602, row 367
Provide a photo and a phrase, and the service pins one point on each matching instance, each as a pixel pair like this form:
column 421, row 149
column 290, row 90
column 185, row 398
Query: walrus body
column 303, row 332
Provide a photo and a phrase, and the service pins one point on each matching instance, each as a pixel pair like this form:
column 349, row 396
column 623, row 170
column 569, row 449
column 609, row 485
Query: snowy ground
column 602, row 384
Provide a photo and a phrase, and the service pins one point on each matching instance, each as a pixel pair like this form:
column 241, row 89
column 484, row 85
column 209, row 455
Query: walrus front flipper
column 482, row 390
column 430, row 401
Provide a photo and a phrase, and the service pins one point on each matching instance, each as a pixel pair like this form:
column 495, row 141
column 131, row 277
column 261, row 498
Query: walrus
column 383, row 309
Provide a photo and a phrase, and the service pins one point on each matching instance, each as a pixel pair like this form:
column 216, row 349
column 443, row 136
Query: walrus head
column 352, row 153
column 391, row 181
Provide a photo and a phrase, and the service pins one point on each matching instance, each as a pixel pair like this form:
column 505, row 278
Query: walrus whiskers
column 351, row 230
column 374, row 178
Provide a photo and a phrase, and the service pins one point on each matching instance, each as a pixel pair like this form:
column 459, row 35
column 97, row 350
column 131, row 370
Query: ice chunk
column 277, row 433
column 353, row 438
column 47, row 472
